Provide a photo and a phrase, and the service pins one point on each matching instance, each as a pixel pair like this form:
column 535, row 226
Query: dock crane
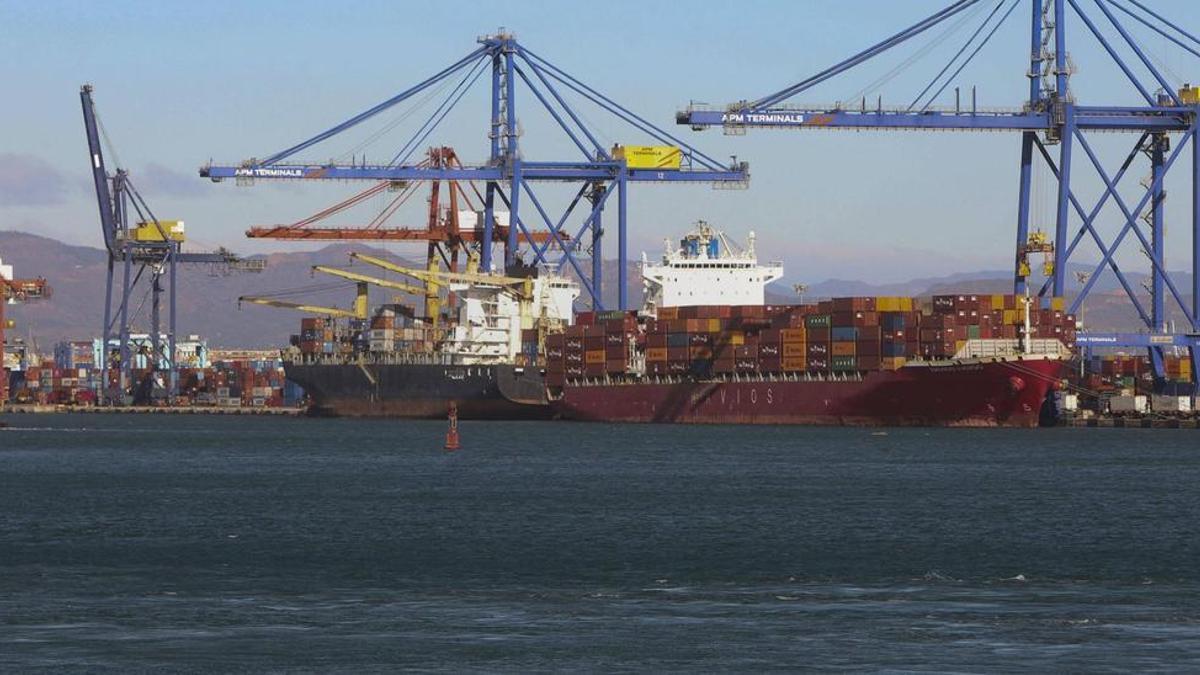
column 507, row 174
column 148, row 249
column 14, row 291
column 1051, row 116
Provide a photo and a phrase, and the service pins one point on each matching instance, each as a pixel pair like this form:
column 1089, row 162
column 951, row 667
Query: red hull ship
column 992, row 392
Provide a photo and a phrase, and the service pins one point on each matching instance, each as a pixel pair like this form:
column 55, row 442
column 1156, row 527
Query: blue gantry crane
column 509, row 177
column 153, row 247
column 1050, row 117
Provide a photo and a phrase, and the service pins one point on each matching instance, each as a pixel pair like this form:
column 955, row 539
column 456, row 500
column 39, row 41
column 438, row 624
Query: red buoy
column 452, row 433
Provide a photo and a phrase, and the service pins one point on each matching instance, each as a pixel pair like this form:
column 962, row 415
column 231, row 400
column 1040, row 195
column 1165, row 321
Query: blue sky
column 180, row 83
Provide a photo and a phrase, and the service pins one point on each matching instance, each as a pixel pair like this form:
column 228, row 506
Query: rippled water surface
column 252, row 544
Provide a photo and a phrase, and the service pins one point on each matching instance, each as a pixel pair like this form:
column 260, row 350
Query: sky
column 179, row 84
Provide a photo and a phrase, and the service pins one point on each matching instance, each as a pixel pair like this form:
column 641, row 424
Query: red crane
column 16, row 290
column 442, row 230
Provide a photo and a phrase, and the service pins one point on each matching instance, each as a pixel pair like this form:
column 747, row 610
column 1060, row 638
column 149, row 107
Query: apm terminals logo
column 762, row 118
column 269, row 173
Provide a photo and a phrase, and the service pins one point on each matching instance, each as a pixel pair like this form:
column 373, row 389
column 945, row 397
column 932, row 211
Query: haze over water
column 137, row 542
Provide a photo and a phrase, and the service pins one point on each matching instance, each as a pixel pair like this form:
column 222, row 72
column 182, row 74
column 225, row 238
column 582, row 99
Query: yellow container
column 714, row 325
column 892, row 362
column 997, row 302
column 1189, row 95
column 793, row 363
column 737, row 338
column 656, row 354
column 792, row 350
column 893, row 304
column 149, row 232
column 593, row 356
column 1058, row 304
column 792, row 335
column 648, row 156
column 843, row 349
column 1011, row 317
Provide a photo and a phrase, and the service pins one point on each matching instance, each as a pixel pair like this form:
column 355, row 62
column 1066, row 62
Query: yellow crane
column 436, row 278
column 363, row 278
column 359, row 311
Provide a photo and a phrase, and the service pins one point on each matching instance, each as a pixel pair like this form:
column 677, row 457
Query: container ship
column 706, row 348
column 396, row 365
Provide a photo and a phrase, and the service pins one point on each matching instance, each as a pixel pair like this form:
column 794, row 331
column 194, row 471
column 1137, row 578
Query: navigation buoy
column 452, row 432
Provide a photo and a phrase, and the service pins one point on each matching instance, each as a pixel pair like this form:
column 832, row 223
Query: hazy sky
column 179, row 83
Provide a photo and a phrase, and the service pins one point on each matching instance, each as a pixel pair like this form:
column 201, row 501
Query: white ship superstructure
column 491, row 316
column 707, row 268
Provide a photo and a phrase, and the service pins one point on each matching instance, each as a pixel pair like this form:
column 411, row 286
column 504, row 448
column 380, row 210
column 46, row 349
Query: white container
column 1172, row 404
column 381, row 345
column 1068, row 402
column 1128, row 404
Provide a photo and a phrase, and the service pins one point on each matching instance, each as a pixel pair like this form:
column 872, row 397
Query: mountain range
column 208, row 300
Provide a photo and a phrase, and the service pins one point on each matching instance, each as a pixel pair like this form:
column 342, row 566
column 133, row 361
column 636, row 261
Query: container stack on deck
column 842, row 335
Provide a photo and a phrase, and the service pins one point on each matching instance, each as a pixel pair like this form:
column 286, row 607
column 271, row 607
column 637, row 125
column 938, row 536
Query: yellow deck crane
column 385, row 283
column 437, row 278
column 358, row 312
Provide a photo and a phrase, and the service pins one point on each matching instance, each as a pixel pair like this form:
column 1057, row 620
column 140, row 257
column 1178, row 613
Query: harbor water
column 138, row 542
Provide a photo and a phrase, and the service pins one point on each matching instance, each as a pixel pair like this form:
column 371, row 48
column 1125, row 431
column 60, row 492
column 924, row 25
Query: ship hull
column 991, row 393
column 421, row 391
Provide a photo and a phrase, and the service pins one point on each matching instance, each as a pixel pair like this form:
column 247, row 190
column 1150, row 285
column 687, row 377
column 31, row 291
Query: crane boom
column 359, row 311
column 436, row 276
column 355, row 276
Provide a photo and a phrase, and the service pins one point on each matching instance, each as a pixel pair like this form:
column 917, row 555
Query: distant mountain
column 208, row 302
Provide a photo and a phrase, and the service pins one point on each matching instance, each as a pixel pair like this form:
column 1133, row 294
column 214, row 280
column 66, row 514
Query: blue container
column 677, row 340
column 892, row 321
column 844, row 333
column 892, row 348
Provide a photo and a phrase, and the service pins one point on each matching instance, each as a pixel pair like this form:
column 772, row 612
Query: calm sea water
column 239, row 544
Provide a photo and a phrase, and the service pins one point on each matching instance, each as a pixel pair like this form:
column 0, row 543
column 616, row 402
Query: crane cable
column 400, row 118
column 957, row 54
column 917, row 55
column 972, row 55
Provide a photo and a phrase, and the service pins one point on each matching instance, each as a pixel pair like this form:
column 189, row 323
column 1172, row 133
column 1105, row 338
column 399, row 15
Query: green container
column 843, row 363
column 818, row 321
column 972, row 332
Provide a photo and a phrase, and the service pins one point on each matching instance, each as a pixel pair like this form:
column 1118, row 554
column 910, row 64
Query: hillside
column 208, row 301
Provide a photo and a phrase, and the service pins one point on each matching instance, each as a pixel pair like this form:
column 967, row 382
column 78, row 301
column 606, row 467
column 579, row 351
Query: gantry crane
column 154, row 248
column 16, row 290
column 1050, row 117
column 509, row 176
